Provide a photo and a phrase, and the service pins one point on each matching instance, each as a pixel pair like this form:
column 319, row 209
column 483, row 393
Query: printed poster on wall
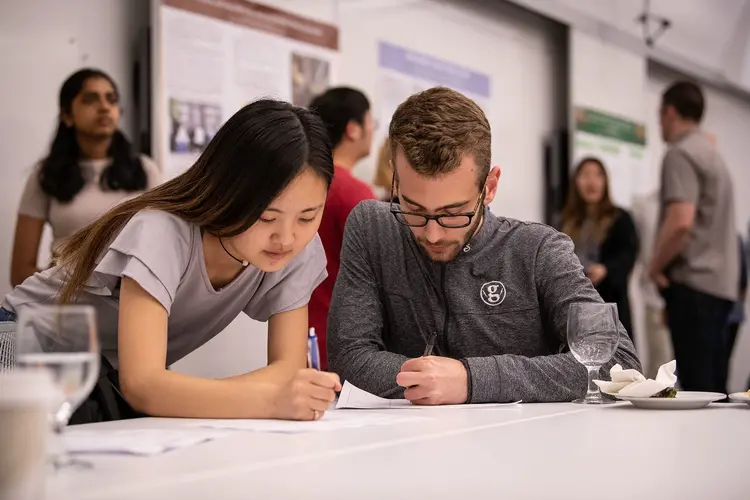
column 403, row 72
column 218, row 55
column 619, row 143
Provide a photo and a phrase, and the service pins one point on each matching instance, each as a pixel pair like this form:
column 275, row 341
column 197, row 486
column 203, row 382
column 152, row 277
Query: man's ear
column 490, row 188
column 353, row 130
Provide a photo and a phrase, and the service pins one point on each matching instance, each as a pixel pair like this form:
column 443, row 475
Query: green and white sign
column 619, row 143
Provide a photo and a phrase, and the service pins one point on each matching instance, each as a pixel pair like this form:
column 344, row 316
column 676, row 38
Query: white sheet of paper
column 331, row 420
column 135, row 441
column 353, row 397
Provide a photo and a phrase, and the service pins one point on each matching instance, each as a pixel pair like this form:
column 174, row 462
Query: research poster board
column 618, row 142
column 403, row 72
column 215, row 56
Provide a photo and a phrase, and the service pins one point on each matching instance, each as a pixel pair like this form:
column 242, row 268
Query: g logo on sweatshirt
column 492, row 293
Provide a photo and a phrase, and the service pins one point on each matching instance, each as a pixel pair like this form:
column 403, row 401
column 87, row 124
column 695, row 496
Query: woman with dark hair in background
column 90, row 167
column 605, row 237
column 170, row 269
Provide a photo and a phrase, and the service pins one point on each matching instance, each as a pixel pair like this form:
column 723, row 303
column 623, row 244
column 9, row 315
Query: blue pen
column 313, row 354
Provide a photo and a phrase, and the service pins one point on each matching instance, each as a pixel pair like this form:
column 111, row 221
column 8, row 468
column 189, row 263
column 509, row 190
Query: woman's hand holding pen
column 307, row 395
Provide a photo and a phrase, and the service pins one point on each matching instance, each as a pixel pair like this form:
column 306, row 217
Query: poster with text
column 403, row 72
column 619, row 143
column 219, row 55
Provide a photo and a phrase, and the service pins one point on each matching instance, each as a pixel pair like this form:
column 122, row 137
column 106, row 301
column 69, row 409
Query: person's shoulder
column 529, row 231
column 372, row 213
column 348, row 188
column 695, row 140
column 696, row 146
column 528, row 238
column 153, row 172
column 149, row 164
column 162, row 224
column 622, row 214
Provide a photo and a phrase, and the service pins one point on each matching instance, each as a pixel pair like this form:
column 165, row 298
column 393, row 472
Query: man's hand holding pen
column 434, row 380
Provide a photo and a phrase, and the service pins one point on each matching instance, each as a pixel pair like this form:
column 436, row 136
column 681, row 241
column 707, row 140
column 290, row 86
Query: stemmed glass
column 593, row 336
column 63, row 340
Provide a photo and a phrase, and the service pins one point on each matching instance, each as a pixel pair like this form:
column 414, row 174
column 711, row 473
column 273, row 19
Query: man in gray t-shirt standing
column 695, row 263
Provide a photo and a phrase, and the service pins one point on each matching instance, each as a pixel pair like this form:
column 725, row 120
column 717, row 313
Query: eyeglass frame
column 436, row 218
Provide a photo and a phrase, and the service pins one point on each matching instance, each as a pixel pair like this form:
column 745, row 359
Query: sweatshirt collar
column 486, row 232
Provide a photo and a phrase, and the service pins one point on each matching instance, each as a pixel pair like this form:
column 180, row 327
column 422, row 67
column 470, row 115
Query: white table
column 537, row 451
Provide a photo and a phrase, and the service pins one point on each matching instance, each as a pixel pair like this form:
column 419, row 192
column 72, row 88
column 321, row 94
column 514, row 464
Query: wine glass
column 593, row 336
column 63, row 340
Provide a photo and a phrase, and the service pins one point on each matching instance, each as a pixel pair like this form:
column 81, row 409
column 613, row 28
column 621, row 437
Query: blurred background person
column 90, row 167
column 382, row 181
column 606, row 241
column 346, row 114
column 695, row 262
column 658, row 342
column 737, row 314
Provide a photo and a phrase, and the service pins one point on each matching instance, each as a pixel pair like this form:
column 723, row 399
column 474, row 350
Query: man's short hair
column 686, row 98
column 436, row 128
column 337, row 107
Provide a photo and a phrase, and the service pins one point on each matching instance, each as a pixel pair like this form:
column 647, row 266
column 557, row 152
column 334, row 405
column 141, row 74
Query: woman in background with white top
column 90, row 167
column 170, row 269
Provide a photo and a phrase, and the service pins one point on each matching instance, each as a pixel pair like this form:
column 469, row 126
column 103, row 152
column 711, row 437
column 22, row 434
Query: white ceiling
column 714, row 34
column 703, row 30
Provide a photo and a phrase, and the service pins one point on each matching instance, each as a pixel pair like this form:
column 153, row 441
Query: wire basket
column 7, row 346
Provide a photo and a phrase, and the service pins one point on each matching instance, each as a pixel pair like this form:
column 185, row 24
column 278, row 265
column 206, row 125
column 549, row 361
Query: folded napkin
column 135, row 441
column 631, row 383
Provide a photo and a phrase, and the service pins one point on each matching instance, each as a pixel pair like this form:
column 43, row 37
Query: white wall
column 606, row 77
column 521, row 52
column 41, row 43
column 727, row 117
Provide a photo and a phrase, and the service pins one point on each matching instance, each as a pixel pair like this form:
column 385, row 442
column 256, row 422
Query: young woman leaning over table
column 170, row 269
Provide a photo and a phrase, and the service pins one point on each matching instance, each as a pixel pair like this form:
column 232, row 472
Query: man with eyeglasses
column 440, row 301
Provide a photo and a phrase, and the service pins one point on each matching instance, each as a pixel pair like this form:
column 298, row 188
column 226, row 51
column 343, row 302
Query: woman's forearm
column 173, row 394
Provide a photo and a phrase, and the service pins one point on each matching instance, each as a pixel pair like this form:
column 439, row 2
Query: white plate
column 685, row 400
column 740, row 397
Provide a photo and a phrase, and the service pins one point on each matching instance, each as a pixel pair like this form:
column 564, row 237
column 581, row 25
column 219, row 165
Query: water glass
column 593, row 337
column 63, row 341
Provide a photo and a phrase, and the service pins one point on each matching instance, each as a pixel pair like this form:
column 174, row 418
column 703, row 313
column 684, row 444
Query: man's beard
column 451, row 248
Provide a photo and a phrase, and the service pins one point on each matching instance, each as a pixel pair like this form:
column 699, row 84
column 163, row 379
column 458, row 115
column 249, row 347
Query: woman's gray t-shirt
column 164, row 255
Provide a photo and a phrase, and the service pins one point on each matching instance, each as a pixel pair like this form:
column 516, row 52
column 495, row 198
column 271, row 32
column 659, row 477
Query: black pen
column 430, row 345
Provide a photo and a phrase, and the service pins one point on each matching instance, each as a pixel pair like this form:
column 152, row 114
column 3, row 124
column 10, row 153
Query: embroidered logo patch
column 492, row 293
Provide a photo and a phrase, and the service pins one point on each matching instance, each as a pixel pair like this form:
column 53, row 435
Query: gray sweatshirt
column 501, row 306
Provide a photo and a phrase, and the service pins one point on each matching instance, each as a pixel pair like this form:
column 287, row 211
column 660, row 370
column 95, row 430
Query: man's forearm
column 669, row 244
column 541, row 379
column 373, row 371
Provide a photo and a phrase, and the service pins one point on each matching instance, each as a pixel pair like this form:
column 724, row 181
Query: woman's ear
column 66, row 119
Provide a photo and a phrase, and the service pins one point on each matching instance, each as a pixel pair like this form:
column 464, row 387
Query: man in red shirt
column 346, row 113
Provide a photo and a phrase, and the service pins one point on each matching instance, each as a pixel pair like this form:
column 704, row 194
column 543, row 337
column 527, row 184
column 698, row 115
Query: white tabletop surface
column 529, row 451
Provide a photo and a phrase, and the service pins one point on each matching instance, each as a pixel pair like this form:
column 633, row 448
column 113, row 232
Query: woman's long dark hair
column 575, row 209
column 61, row 177
column 249, row 162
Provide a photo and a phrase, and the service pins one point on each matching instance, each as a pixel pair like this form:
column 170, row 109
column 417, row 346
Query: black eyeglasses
column 449, row 221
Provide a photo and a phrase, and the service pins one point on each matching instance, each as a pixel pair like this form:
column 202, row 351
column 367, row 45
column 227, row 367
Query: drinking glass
column 593, row 336
column 62, row 340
